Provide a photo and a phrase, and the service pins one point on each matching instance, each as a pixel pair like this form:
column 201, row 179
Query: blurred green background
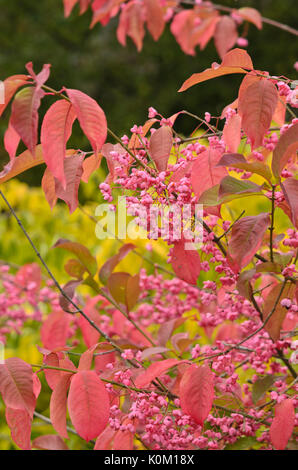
column 123, row 81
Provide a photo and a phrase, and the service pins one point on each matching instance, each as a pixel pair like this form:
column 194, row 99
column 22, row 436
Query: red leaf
column 155, row 370
column 154, row 17
column 256, row 107
column 16, row 385
column 252, row 15
column 205, row 174
column 52, row 376
column 68, row 6
column 286, row 146
column 186, row 263
column 11, row 141
column 246, row 239
column 73, row 170
column 197, row 392
column 232, row 133
column 49, row 442
column 55, row 132
column 41, row 77
column 88, row 404
column 225, row 35
column 123, row 440
column 58, row 405
column 290, row 190
column 234, row 61
column 160, row 146
column 131, row 23
column 19, row 423
column 24, row 115
column 91, row 117
column 20, row 164
column 55, row 329
column 283, row 424
column 11, row 85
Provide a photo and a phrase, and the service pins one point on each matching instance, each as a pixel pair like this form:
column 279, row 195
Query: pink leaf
column 19, row 423
column 88, row 404
column 55, row 132
column 246, row 239
column 256, row 107
column 11, row 141
column 286, row 147
column 49, row 188
column 155, row 370
column 90, row 165
column 58, row 405
column 225, row 35
column 160, row 146
column 186, row 263
column 232, row 133
column 49, row 442
column 91, row 117
column 16, row 385
column 68, row 6
column 197, row 392
column 55, row 329
column 283, row 424
column 290, row 190
column 205, row 174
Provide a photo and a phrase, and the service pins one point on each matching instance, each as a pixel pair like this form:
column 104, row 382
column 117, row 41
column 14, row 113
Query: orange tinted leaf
column 23, row 162
column 109, row 266
column 131, row 23
column 11, row 141
column 252, row 15
column 81, row 252
column 90, row 164
column 235, row 61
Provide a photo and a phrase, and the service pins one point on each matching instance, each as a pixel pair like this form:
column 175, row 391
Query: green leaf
column 261, row 386
column 244, row 443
